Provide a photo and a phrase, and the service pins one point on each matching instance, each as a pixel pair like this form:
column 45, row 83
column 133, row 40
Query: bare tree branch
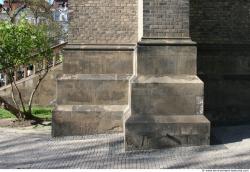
column 10, row 108
column 13, row 18
column 20, row 96
column 13, row 96
column 41, row 77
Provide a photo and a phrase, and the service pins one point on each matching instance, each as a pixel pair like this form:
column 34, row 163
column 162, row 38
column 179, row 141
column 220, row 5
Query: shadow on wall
column 222, row 30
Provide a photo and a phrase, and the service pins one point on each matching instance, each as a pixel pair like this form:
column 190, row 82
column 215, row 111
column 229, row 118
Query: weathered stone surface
column 167, row 95
column 92, row 90
column 156, row 132
column 46, row 93
column 167, row 60
column 98, row 62
column 85, row 120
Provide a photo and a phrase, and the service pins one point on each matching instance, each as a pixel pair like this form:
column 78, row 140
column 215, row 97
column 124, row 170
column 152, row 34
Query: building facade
column 132, row 66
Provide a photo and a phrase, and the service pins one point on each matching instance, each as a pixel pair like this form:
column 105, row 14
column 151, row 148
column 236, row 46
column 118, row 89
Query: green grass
column 5, row 114
column 41, row 112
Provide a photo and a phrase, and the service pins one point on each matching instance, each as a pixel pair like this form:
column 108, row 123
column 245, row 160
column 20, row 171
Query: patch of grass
column 41, row 112
column 4, row 114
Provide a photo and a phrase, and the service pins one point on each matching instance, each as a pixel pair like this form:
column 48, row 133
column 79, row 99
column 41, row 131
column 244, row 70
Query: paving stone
column 28, row 149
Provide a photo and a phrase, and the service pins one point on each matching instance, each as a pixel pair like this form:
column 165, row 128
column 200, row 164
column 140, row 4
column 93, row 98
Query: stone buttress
column 93, row 92
column 166, row 95
column 112, row 83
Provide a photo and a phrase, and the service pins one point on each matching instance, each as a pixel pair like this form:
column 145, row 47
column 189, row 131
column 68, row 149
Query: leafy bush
column 21, row 44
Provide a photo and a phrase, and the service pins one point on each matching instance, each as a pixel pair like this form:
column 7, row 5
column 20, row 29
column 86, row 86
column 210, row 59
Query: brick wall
column 225, row 70
column 220, row 21
column 103, row 22
column 222, row 30
column 166, row 18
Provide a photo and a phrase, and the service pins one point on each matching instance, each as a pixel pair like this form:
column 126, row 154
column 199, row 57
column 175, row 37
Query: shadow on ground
column 226, row 135
column 40, row 151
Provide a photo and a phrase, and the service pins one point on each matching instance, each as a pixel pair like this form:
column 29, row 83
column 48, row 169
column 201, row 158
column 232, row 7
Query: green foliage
column 4, row 114
column 41, row 112
column 23, row 43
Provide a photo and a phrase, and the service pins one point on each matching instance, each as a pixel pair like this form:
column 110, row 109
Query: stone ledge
column 91, row 108
column 94, row 77
column 185, row 79
column 182, row 119
column 167, row 41
column 102, row 47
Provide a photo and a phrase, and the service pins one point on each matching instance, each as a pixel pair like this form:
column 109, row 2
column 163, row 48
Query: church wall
column 222, row 30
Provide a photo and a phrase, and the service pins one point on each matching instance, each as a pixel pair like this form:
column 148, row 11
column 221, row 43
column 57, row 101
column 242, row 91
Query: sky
column 1, row 1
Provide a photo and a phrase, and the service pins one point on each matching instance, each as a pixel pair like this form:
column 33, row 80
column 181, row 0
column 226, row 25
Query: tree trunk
column 20, row 96
column 29, row 116
column 7, row 106
column 41, row 77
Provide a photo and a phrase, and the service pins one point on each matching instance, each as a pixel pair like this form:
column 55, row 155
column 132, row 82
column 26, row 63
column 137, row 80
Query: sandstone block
column 93, row 90
column 156, row 132
column 167, row 60
column 167, row 95
column 70, row 120
column 98, row 62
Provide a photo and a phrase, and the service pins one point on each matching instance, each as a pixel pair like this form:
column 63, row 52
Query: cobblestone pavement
column 36, row 149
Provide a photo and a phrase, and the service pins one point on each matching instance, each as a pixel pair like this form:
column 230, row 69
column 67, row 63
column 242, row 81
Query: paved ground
column 31, row 148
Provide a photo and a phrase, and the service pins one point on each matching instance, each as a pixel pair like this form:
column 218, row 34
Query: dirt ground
column 13, row 123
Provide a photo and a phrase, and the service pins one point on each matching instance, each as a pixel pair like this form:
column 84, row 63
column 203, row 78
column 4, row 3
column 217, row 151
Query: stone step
column 71, row 120
column 156, row 132
column 93, row 89
column 98, row 62
column 168, row 95
column 167, row 59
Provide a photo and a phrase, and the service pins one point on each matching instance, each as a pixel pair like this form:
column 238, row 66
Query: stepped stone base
column 79, row 120
column 156, row 132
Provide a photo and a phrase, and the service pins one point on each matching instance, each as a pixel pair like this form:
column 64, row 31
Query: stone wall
column 46, row 93
column 222, row 30
column 103, row 22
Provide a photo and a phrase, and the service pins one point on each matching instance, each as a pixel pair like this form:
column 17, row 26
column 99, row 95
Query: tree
column 23, row 43
column 39, row 10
